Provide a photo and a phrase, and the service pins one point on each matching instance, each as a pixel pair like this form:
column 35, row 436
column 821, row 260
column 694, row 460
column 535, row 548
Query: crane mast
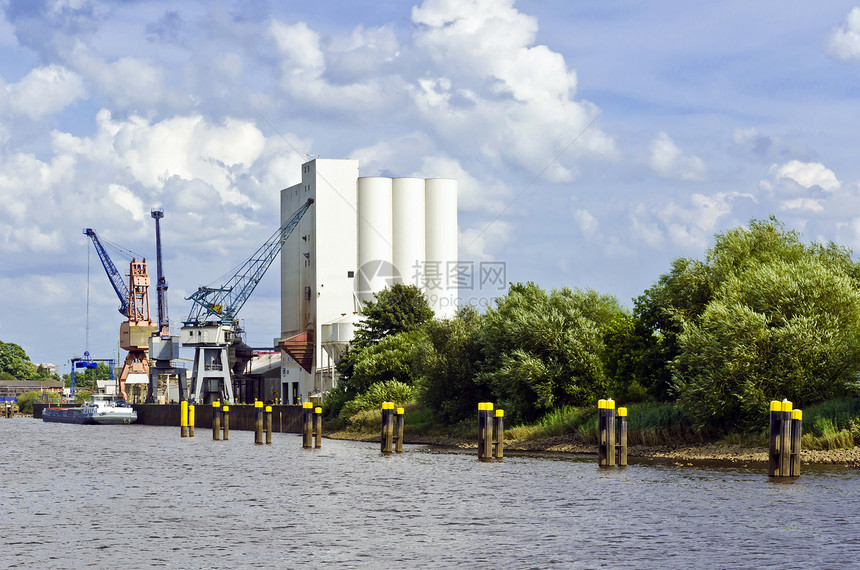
column 212, row 325
column 163, row 348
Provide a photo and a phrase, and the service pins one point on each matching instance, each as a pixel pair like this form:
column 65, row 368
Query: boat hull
column 80, row 416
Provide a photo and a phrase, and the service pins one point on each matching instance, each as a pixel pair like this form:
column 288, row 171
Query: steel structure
column 113, row 274
column 212, row 325
column 134, row 333
column 163, row 347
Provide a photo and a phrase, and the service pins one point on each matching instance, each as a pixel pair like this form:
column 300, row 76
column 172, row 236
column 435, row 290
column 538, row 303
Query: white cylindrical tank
column 441, row 245
column 375, row 269
column 408, row 229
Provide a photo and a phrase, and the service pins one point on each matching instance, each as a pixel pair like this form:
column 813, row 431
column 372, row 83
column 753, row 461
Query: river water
column 140, row 496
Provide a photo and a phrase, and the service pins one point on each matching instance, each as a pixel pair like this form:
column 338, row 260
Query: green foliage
column 764, row 317
column 659, row 314
column 449, row 361
column 86, row 377
column 787, row 326
column 373, row 397
column 390, row 359
column 545, row 350
column 398, row 309
column 334, row 401
column 26, row 401
column 15, row 364
column 82, row 396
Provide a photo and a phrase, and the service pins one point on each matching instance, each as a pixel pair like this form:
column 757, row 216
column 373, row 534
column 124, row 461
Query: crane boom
column 223, row 303
column 115, row 277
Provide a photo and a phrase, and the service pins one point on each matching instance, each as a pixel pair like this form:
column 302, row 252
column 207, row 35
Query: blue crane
column 115, row 277
column 212, row 305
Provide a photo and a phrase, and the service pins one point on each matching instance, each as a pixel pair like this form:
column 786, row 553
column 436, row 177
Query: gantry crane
column 134, row 333
column 212, row 327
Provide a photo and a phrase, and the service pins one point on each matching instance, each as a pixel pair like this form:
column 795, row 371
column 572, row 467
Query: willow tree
column 783, row 320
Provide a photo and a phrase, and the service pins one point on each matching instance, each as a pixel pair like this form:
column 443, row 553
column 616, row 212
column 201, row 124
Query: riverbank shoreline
column 685, row 452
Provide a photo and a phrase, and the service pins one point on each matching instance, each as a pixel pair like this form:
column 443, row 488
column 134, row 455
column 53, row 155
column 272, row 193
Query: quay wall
column 285, row 419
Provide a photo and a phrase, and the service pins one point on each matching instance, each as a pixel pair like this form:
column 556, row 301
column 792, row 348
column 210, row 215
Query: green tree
column 86, row 377
column 392, row 358
column 659, row 315
column 15, row 364
column 398, row 309
column 764, row 316
column 545, row 350
column 782, row 328
column 449, row 361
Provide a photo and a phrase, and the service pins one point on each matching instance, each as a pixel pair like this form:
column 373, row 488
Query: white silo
column 375, row 269
column 408, row 229
column 441, row 276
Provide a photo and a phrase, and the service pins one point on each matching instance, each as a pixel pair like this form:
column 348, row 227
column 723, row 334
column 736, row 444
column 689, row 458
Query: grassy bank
column 834, row 424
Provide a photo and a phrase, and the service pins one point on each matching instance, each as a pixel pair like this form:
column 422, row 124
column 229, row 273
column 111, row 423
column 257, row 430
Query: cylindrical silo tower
column 375, row 269
column 408, row 229
column 441, row 275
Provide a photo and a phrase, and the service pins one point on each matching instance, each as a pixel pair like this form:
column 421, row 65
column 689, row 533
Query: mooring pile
column 784, row 441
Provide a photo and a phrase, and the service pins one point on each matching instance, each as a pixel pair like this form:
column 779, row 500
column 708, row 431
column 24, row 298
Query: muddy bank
column 569, row 444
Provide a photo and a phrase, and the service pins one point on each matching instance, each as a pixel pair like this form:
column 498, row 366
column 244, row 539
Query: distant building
column 14, row 388
column 360, row 236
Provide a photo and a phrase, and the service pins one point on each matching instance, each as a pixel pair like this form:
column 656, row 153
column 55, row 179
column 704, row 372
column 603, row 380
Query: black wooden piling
column 773, row 439
column 622, row 437
column 317, row 427
column 499, row 434
column 216, row 420
column 606, row 433
column 307, row 425
column 785, row 440
column 796, row 433
column 387, row 427
column 225, row 422
column 784, row 436
column 485, row 431
column 268, row 425
column 398, row 430
column 258, row 422
column 190, row 420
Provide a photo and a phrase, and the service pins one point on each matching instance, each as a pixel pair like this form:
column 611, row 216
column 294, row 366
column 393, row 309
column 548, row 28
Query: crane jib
column 113, row 274
column 232, row 296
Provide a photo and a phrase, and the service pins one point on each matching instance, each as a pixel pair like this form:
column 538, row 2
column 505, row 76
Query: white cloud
column 689, row 226
column 483, row 242
column 492, row 90
column 586, row 221
column 128, row 82
column 806, row 174
column 303, row 67
column 668, row 160
column 489, row 195
column 44, row 91
column 695, row 224
column 802, row 204
column 843, row 43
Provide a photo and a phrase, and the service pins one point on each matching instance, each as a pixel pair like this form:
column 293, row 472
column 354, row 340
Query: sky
column 593, row 141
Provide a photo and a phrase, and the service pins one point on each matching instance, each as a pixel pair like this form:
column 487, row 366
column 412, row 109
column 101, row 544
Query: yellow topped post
column 183, row 418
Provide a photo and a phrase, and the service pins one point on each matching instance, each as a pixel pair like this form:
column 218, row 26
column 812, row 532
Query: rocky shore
column 679, row 453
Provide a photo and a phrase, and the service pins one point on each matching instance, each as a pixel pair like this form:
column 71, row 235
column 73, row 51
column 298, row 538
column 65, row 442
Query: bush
column 389, row 391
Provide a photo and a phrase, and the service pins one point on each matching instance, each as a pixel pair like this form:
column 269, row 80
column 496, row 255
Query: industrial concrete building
column 360, row 236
